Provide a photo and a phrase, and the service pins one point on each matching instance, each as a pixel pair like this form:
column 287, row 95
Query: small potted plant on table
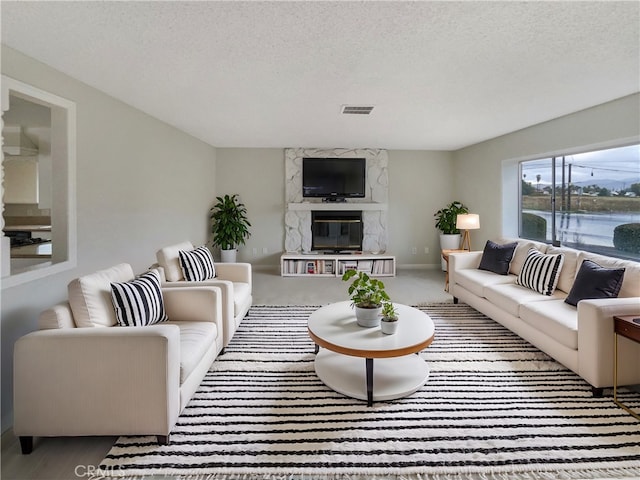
column 389, row 322
column 367, row 295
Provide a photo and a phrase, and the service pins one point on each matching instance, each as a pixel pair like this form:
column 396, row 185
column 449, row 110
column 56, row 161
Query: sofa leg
column 597, row 392
column 455, row 300
column 162, row 439
column 26, row 445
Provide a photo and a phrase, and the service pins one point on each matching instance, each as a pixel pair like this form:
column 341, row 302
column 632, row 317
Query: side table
column 627, row 326
column 445, row 257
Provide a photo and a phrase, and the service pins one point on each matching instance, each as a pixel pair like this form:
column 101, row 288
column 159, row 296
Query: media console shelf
column 335, row 264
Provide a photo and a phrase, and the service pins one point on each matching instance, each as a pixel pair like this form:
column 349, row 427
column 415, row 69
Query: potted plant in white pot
column 367, row 296
column 389, row 321
column 446, row 223
column 229, row 225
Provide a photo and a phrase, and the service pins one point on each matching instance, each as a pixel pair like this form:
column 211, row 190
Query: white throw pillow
column 139, row 302
column 540, row 272
column 197, row 265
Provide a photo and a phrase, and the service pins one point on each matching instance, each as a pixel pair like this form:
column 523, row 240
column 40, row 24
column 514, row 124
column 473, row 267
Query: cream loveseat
column 581, row 338
column 233, row 279
column 82, row 374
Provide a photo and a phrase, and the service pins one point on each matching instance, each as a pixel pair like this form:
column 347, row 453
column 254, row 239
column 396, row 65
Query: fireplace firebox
column 336, row 231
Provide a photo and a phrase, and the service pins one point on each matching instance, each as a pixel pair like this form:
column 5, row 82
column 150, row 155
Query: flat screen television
column 333, row 177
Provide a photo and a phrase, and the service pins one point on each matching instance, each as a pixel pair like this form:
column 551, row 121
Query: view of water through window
column 589, row 201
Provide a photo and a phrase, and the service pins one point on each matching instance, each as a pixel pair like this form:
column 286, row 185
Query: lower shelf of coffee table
column 395, row 377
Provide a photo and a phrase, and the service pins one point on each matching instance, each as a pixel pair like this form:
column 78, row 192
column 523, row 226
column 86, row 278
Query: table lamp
column 466, row 222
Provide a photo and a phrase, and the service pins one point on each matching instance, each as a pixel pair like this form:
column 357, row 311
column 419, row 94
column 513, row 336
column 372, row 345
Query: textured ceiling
column 442, row 75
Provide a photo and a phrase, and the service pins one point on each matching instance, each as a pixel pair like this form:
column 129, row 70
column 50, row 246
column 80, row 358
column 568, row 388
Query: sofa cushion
column 476, row 280
column 631, row 281
column 195, row 340
column 139, row 302
column 197, row 265
column 593, row 281
column 496, row 257
column 511, row 296
column 522, row 249
column 90, row 296
column 555, row 318
column 169, row 260
column 540, row 272
column 569, row 266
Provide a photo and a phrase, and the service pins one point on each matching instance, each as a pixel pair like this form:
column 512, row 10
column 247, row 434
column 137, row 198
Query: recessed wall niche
column 373, row 205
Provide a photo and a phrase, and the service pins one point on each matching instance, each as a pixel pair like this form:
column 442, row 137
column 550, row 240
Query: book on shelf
column 365, row 266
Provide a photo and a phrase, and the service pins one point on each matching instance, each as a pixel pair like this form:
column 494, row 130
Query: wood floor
column 66, row 458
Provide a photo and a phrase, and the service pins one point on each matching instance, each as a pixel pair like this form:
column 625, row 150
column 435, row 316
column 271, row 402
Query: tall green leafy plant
column 229, row 223
column 446, row 217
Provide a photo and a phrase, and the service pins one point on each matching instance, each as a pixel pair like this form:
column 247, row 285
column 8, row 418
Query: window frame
column 63, row 112
column 553, row 157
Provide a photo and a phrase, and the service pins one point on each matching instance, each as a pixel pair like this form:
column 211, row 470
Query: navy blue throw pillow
column 594, row 281
column 496, row 258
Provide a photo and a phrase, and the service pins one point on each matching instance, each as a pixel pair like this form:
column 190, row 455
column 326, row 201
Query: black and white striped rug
column 494, row 407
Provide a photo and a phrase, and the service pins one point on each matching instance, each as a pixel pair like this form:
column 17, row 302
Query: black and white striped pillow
column 540, row 272
column 197, row 265
column 139, row 302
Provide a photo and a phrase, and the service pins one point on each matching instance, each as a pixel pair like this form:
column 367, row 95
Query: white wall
column 486, row 177
column 141, row 184
column 257, row 176
column 420, row 183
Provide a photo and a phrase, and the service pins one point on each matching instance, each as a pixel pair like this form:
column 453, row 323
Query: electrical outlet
column 426, row 249
column 264, row 250
column 414, row 250
column 255, row 251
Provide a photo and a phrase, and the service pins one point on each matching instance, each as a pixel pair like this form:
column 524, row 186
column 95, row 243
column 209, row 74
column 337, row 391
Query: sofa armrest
column 234, row 272
column 193, row 303
column 595, row 342
column 97, row 381
column 462, row 261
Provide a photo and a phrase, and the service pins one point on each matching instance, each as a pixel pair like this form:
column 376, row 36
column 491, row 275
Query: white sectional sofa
column 83, row 374
column 580, row 338
column 233, row 279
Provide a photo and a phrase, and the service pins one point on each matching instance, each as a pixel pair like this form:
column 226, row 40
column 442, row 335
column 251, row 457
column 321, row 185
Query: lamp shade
column 469, row 221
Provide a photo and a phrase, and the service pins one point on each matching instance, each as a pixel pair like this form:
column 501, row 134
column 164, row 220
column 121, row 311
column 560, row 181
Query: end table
column 627, row 326
column 445, row 257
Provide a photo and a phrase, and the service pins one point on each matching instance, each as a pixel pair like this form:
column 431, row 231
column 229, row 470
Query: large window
column 589, row 201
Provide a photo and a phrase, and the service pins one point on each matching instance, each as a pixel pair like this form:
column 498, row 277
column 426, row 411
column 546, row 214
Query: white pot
column 448, row 242
column 228, row 256
column 388, row 327
column 368, row 317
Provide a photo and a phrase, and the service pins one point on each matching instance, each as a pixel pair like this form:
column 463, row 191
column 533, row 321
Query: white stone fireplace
column 373, row 205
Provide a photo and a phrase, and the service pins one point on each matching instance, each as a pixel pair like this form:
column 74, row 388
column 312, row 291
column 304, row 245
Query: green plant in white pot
column 367, row 296
column 446, row 223
column 229, row 225
column 389, row 321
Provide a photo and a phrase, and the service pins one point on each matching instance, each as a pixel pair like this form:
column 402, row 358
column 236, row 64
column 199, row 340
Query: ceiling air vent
column 357, row 109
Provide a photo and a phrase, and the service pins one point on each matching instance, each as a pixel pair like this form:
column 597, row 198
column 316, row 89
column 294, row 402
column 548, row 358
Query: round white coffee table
column 398, row 371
